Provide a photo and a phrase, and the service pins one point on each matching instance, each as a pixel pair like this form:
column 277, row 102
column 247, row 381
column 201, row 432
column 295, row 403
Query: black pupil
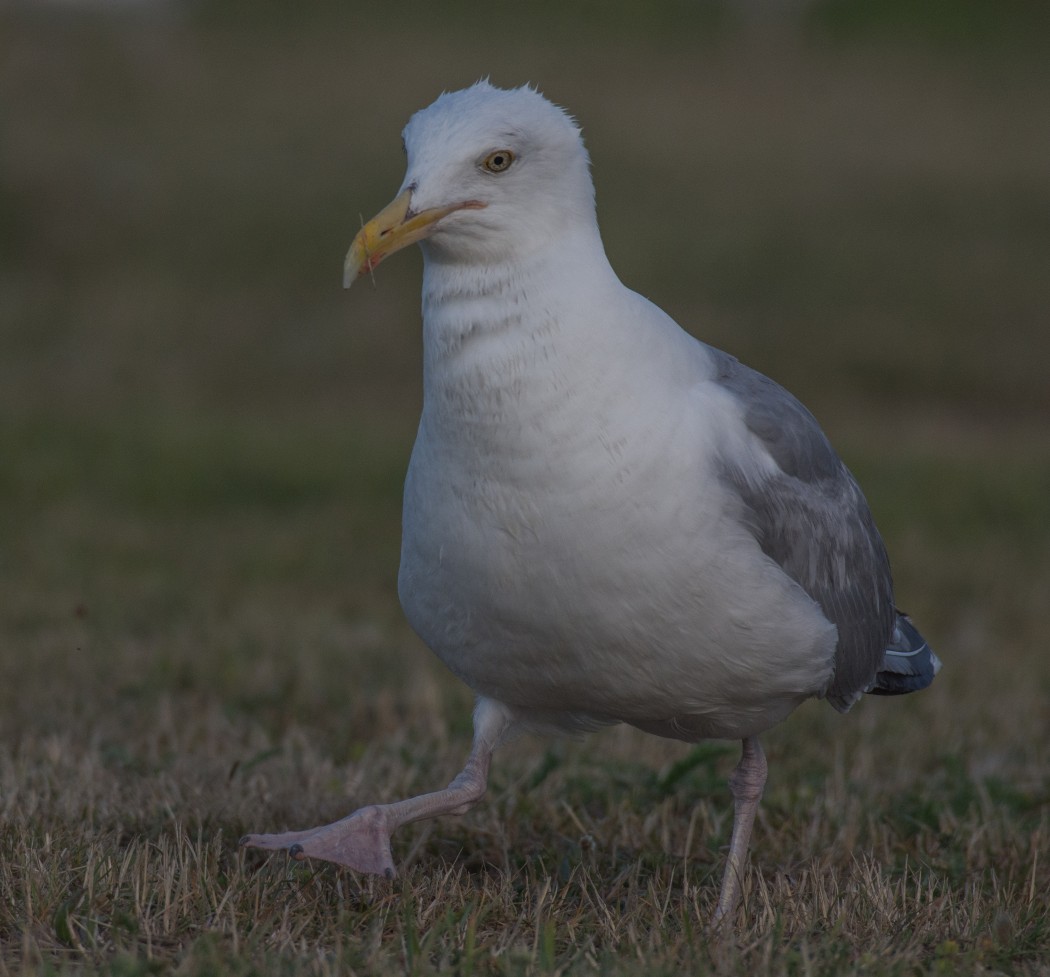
column 499, row 161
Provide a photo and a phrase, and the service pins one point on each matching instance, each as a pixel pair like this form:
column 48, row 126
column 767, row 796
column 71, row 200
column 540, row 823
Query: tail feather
column 909, row 663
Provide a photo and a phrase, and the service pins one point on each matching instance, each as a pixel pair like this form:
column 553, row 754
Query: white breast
column 558, row 553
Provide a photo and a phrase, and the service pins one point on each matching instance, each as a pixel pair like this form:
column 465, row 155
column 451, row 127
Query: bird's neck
column 504, row 342
column 469, row 304
column 513, row 308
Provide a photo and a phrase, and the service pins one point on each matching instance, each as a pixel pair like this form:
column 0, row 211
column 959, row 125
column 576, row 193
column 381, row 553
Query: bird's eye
column 498, row 160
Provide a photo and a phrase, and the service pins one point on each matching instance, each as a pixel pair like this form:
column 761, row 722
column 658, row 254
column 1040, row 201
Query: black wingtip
column 909, row 664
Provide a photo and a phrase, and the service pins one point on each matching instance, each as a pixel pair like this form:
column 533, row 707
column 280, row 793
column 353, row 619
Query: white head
column 493, row 175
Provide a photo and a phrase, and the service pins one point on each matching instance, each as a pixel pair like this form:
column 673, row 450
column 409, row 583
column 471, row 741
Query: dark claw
column 296, row 852
column 389, row 873
column 243, row 841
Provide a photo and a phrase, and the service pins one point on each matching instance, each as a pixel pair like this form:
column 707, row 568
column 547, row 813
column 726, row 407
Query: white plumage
column 605, row 520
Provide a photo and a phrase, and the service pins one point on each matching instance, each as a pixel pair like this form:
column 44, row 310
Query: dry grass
column 199, row 495
column 588, row 858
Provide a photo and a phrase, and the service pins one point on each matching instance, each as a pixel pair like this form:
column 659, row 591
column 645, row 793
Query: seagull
column 605, row 520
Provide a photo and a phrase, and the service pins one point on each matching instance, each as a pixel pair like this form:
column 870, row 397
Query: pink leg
column 746, row 783
column 361, row 841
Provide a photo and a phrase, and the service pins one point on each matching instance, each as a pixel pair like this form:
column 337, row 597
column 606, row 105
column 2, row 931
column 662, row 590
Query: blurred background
column 202, row 437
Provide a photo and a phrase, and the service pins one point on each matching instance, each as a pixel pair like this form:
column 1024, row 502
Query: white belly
column 558, row 578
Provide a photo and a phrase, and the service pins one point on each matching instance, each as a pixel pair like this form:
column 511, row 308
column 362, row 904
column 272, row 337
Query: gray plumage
column 812, row 519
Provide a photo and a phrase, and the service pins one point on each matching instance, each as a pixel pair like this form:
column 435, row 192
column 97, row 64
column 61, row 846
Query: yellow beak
column 392, row 229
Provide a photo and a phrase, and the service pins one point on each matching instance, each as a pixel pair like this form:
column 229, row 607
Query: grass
column 202, row 443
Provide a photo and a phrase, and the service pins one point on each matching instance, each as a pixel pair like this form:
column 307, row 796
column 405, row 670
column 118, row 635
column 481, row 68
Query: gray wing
column 811, row 518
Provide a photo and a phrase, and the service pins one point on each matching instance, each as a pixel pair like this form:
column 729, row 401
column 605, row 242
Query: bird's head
column 492, row 175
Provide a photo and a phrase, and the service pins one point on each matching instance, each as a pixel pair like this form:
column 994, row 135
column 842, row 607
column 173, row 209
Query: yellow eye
column 498, row 160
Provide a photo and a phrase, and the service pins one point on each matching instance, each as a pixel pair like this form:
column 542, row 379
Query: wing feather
column 811, row 518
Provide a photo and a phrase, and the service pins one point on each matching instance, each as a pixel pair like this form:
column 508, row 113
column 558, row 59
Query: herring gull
column 605, row 520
